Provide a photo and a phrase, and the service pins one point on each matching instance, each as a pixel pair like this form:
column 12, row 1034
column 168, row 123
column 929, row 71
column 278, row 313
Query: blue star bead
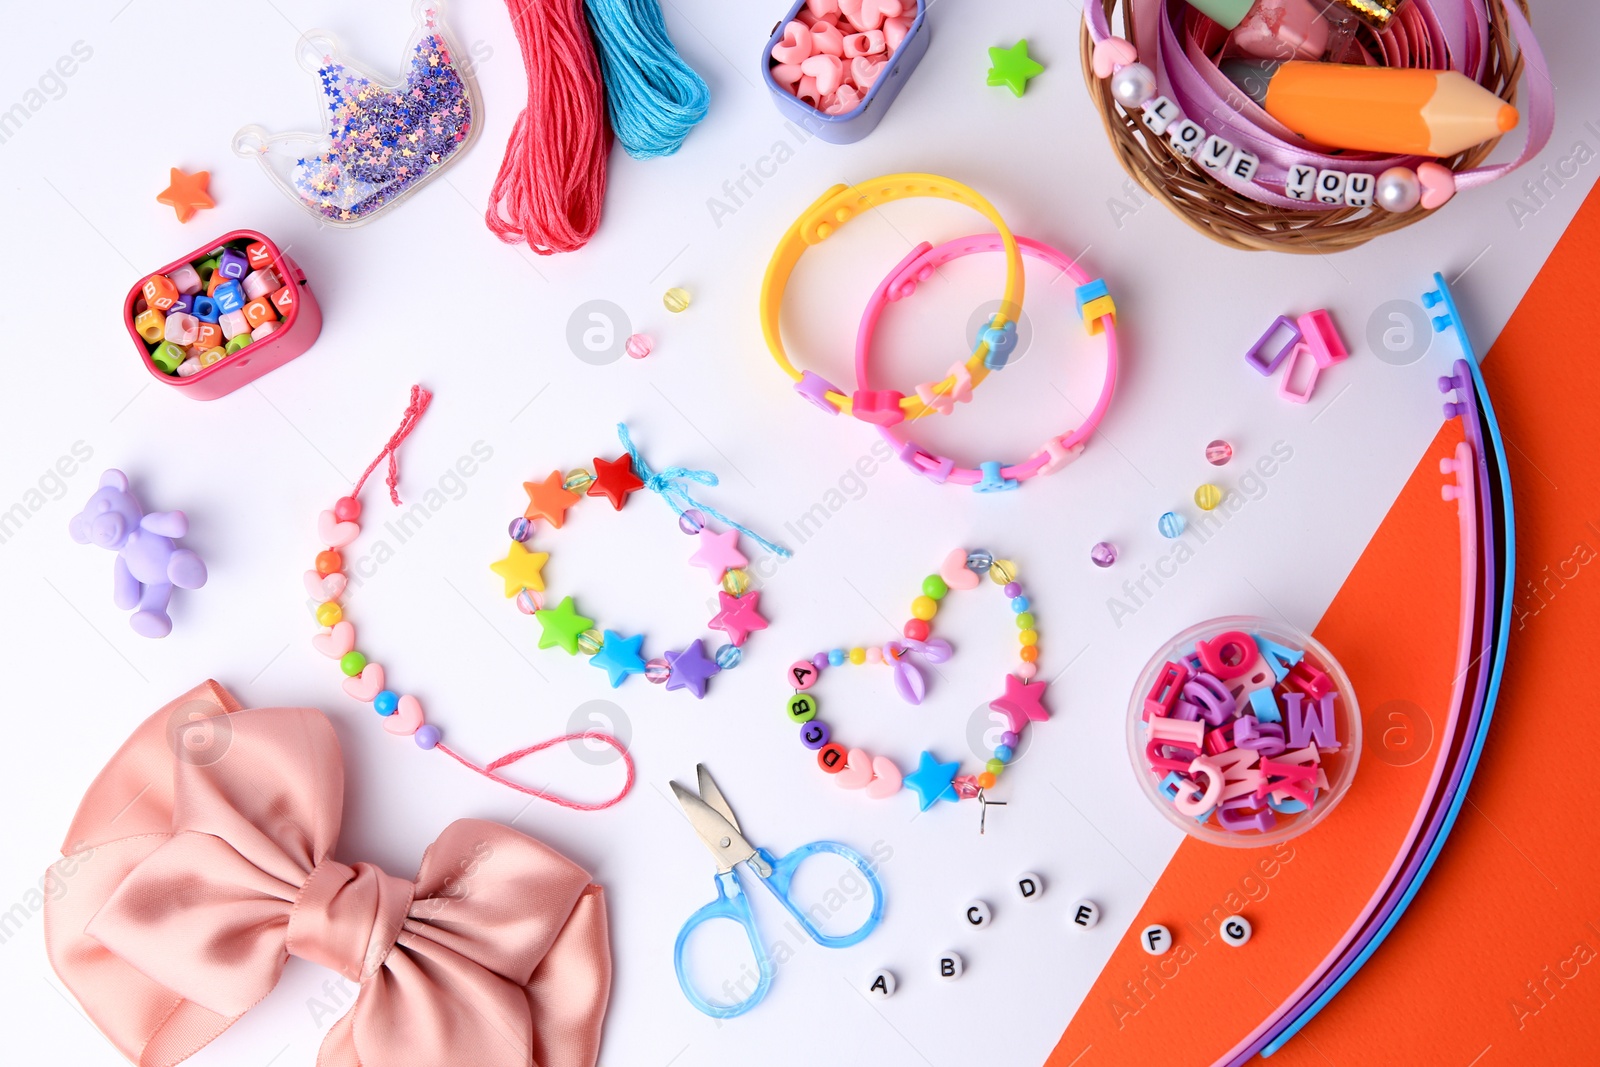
column 619, row 657
column 691, row 669
column 931, row 780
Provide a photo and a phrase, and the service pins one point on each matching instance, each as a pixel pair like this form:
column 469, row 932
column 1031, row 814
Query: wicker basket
column 1235, row 220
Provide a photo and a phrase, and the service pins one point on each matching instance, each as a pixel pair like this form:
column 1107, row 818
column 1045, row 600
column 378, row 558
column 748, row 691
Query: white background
column 428, row 294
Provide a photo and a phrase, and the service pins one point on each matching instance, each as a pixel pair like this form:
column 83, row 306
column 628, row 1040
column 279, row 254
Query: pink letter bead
column 187, row 279
column 234, row 323
column 802, row 674
column 261, row 283
column 261, row 331
column 1227, row 655
column 1164, row 693
column 182, row 329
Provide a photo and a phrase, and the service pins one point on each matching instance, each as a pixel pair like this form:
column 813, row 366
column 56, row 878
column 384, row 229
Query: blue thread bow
column 667, row 485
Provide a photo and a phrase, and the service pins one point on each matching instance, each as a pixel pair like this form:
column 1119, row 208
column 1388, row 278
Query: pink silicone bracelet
column 902, row 281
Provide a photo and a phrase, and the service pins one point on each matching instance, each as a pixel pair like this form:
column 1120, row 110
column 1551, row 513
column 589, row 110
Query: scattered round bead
column 1085, row 913
column 329, row 613
column 1133, row 85
column 814, row 734
column 1156, row 939
column 1398, row 190
column 979, row 561
column 577, row 480
column 691, row 522
column 347, row 509
column 881, row 984
column 1030, row 887
column 639, row 345
column 1003, row 572
column 735, row 581
column 934, row 587
column 520, row 529
column 1171, row 524
column 1207, row 497
column 1236, row 930
column 530, row 601
column 676, row 300
column 352, row 663
column 1103, row 554
column 1218, row 452
column 949, row 966
column 657, row 671
column 977, row 914
column 385, row 702
column 728, row 657
column 590, row 642
column 427, row 735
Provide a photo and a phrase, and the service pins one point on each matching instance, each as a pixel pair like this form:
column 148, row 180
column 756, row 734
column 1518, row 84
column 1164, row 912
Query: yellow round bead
column 1029, row 637
column 676, row 299
column 1003, row 572
column 329, row 613
column 858, row 655
column 590, row 642
column 1208, row 496
column 735, row 581
column 924, row 608
column 577, row 480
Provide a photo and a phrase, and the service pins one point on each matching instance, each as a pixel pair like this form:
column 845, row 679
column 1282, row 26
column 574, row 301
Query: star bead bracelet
column 366, row 680
column 932, row 781
column 619, row 655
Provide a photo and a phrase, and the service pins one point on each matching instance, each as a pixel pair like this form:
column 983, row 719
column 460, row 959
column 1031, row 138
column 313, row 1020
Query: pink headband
column 200, row 861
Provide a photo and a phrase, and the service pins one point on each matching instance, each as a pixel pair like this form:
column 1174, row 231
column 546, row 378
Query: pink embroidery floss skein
column 552, row 182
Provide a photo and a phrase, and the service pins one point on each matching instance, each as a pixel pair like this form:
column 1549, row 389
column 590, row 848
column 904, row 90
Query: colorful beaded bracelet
column 738, row 614
column 1095, row 308
column 365, row 680
column 1021, row 703
column 832, row 210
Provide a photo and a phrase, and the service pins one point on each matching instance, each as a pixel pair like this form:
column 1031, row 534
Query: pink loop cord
column 1456, row 33
column 552, row 182
column 420, row 399
column 509, row 758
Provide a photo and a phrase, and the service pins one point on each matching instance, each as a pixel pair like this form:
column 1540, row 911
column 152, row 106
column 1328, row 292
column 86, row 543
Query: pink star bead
column 739, row 617
column 1021, row 703
column 718, row 552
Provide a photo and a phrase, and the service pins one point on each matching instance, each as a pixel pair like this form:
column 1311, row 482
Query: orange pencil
column 1386, row 109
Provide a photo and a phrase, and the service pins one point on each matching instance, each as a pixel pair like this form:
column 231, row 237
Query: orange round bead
column 328, row 561
column 1029, row 653
column 985, row 780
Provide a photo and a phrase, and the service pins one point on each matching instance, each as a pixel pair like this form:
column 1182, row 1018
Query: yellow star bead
column 521, row 569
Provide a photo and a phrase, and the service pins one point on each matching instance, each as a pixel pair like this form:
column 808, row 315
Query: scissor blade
column 713, row 796
column 719, row 835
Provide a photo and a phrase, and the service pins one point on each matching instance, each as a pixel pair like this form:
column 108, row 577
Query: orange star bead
column 614, row 480
column 187, row 193
column 549, row 500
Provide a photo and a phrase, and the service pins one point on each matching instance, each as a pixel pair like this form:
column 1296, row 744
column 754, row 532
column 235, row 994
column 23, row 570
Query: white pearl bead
column 1398, row 190
column 1133, row 85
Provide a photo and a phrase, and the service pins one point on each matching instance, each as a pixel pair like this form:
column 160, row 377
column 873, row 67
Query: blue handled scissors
column 714, row 821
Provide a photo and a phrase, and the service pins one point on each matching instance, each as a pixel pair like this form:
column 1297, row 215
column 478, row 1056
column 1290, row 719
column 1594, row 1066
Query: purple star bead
column 691, row 669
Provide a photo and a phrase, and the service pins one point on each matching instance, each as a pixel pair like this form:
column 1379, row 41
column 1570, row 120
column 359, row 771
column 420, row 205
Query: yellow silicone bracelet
column 838, row 206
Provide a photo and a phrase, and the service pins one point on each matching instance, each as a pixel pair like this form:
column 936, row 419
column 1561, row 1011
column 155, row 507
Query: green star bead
column 1012, row 67
column 561, row 625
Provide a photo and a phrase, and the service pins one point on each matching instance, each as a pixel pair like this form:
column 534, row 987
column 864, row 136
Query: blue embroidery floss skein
column 653, row 97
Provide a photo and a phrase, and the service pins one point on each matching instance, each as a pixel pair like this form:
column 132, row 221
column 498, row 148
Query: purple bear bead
column 148, row 563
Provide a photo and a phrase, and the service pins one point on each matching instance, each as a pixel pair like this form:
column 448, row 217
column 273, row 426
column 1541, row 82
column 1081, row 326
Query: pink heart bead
column 869, row 43
column 324, row 587
column 827, row 40
column 827, row 70
column 407, row 718
column 886, row 779
column 786, row 74
column 336, row 534
column 864, row 72
column 1111, row 53
column 956, row 573
column 894, row 31
column 797, row 44
column 338, row 641
column 366, row 685
column 1438, row 185
column 857, row 773
column 846, row 100
column 806, row 90
column 822, row 8
column 869, row 14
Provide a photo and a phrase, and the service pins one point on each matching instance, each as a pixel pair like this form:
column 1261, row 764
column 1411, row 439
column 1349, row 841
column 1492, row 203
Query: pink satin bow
column 200, row 861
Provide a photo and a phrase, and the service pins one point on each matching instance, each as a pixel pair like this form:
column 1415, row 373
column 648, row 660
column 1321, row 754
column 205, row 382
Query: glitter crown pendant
column 381, row 141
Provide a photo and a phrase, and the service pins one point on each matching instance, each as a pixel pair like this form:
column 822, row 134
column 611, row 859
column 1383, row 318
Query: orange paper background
column 1497, row 960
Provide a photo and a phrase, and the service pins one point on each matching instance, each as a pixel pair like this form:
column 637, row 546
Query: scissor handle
column 783, row 874
column 731, row 903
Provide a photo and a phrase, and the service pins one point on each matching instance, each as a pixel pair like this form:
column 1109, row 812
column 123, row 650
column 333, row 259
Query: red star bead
column 614, row 480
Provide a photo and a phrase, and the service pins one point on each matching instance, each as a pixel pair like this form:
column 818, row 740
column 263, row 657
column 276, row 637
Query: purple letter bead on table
column 1268, row 365
column 814, row 387
column 148, row 563
column 1307, row 726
